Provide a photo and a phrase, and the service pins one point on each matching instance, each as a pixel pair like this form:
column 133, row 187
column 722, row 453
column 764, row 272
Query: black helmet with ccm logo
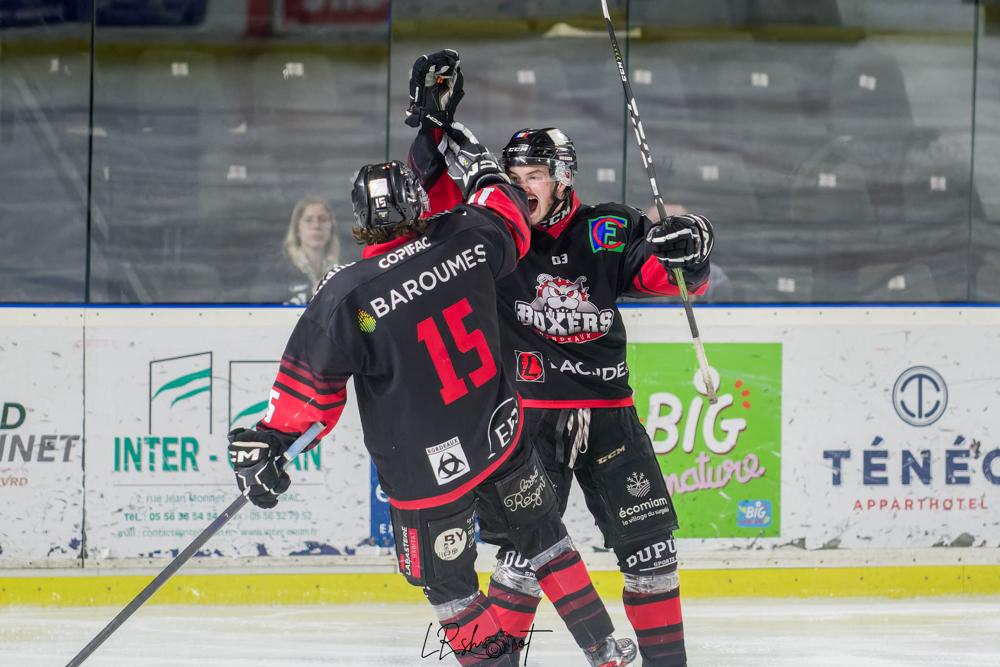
column 386, row 195
column 548, row 146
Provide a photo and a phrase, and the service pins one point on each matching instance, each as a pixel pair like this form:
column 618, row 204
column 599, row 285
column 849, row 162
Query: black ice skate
column 611, row 653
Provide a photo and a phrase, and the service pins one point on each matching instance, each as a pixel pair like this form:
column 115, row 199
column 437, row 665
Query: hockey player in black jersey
column 414, row 322
column 564, row 342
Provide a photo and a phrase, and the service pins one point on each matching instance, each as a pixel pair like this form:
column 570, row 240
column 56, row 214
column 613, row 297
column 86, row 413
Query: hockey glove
column 435, row 89
column 257, row 460
column 683, row 241
column 469, row 162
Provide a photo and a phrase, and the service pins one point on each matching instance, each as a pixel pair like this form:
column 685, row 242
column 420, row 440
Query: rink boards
column 844, row 429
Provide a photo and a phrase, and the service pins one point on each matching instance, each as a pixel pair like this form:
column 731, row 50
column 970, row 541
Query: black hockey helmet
column 548, row 146
column 386, row 195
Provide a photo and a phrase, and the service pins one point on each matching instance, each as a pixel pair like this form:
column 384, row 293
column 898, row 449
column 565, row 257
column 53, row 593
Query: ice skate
column 612, row 653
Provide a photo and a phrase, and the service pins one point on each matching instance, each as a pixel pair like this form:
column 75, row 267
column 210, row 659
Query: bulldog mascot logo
column 562, row 311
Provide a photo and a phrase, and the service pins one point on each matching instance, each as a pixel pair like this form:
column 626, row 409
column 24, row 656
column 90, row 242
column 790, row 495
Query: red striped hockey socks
column 516, row 610
column 472, row 635
column 567, row 584
column 656, row 618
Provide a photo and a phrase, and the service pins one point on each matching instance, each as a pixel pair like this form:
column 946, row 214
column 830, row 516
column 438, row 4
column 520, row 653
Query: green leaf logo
column 365, row 321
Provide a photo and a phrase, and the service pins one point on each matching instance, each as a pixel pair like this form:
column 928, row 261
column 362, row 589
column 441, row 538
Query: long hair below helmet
column 388, row 199
column 548, row 146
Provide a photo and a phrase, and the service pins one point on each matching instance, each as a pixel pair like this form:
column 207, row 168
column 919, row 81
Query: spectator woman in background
column 311, row 247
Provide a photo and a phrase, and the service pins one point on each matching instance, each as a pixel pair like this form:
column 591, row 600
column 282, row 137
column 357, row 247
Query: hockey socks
column 656, row 618
column 567, row 584
column 473, row 636
column 515, row 609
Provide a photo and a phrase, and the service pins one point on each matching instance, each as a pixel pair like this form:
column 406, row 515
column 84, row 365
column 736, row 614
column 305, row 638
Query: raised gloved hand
column 435, row 89
column 682, row 241
column 256, row 456
column 469, row 162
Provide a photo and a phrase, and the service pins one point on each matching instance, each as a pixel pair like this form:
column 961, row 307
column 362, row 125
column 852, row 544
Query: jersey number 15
column 452, row 386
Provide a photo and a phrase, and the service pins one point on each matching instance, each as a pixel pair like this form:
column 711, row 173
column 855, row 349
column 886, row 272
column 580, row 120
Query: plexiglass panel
column 226, row 148
column 846, row 150
column 44, row 119
column 828, row 141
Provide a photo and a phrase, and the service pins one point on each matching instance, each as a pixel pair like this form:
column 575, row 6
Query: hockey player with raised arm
column 414, row 323
column 564, row 342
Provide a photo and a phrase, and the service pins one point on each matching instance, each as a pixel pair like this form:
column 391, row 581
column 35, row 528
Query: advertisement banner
column 835, row 429
column 896, row 438
column 722, row 462
column 163, row 389
column 41, row 435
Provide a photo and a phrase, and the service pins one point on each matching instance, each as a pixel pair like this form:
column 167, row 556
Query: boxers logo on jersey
column 562, row 311
column 448, row 461
column 607, row 233
column 530, row 366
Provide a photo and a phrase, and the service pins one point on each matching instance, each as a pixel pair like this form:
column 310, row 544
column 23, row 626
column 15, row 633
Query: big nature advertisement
column 722, row 462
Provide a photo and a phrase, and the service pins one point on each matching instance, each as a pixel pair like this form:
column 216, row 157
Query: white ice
column 738, row 633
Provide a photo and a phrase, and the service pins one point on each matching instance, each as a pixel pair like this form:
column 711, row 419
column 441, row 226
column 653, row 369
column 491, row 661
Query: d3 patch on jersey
column 448, row 461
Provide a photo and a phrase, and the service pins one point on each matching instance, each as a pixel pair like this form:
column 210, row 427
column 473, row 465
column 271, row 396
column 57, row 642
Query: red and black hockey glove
column 257, row 459
column 435, row 89
column 682, row 241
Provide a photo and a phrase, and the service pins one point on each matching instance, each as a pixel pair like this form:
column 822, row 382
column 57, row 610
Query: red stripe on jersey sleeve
column 294, row 408
column 444, row 195
column 514, row 212
column 656, row 280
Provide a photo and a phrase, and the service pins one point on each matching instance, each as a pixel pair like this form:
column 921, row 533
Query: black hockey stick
column 647, row 161
column 301, row 443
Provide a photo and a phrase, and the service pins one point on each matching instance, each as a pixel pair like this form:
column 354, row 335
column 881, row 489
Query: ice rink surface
column 746, row 633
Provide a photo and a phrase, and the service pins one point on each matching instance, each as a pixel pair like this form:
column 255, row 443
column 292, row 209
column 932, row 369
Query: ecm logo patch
column 920, row 396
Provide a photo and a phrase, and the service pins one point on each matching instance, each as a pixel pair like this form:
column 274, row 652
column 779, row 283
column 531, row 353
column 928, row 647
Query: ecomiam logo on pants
column 638, row 485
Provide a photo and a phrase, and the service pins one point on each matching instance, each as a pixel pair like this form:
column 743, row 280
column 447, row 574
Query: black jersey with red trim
column 415, row 324
column 564, row 338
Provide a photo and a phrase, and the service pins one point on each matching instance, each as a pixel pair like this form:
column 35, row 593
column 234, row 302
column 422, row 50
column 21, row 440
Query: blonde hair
column 293, row 243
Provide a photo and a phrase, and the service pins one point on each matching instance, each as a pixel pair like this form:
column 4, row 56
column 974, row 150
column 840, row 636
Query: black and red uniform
column 564, row 342
column 414, row 323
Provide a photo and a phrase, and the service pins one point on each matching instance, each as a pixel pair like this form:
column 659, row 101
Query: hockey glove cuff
column 682, row 241
column 256, row 457
column 469, row 162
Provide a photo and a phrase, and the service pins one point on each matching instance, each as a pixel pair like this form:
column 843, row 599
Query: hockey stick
column 301, row 443
column 647, row 161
